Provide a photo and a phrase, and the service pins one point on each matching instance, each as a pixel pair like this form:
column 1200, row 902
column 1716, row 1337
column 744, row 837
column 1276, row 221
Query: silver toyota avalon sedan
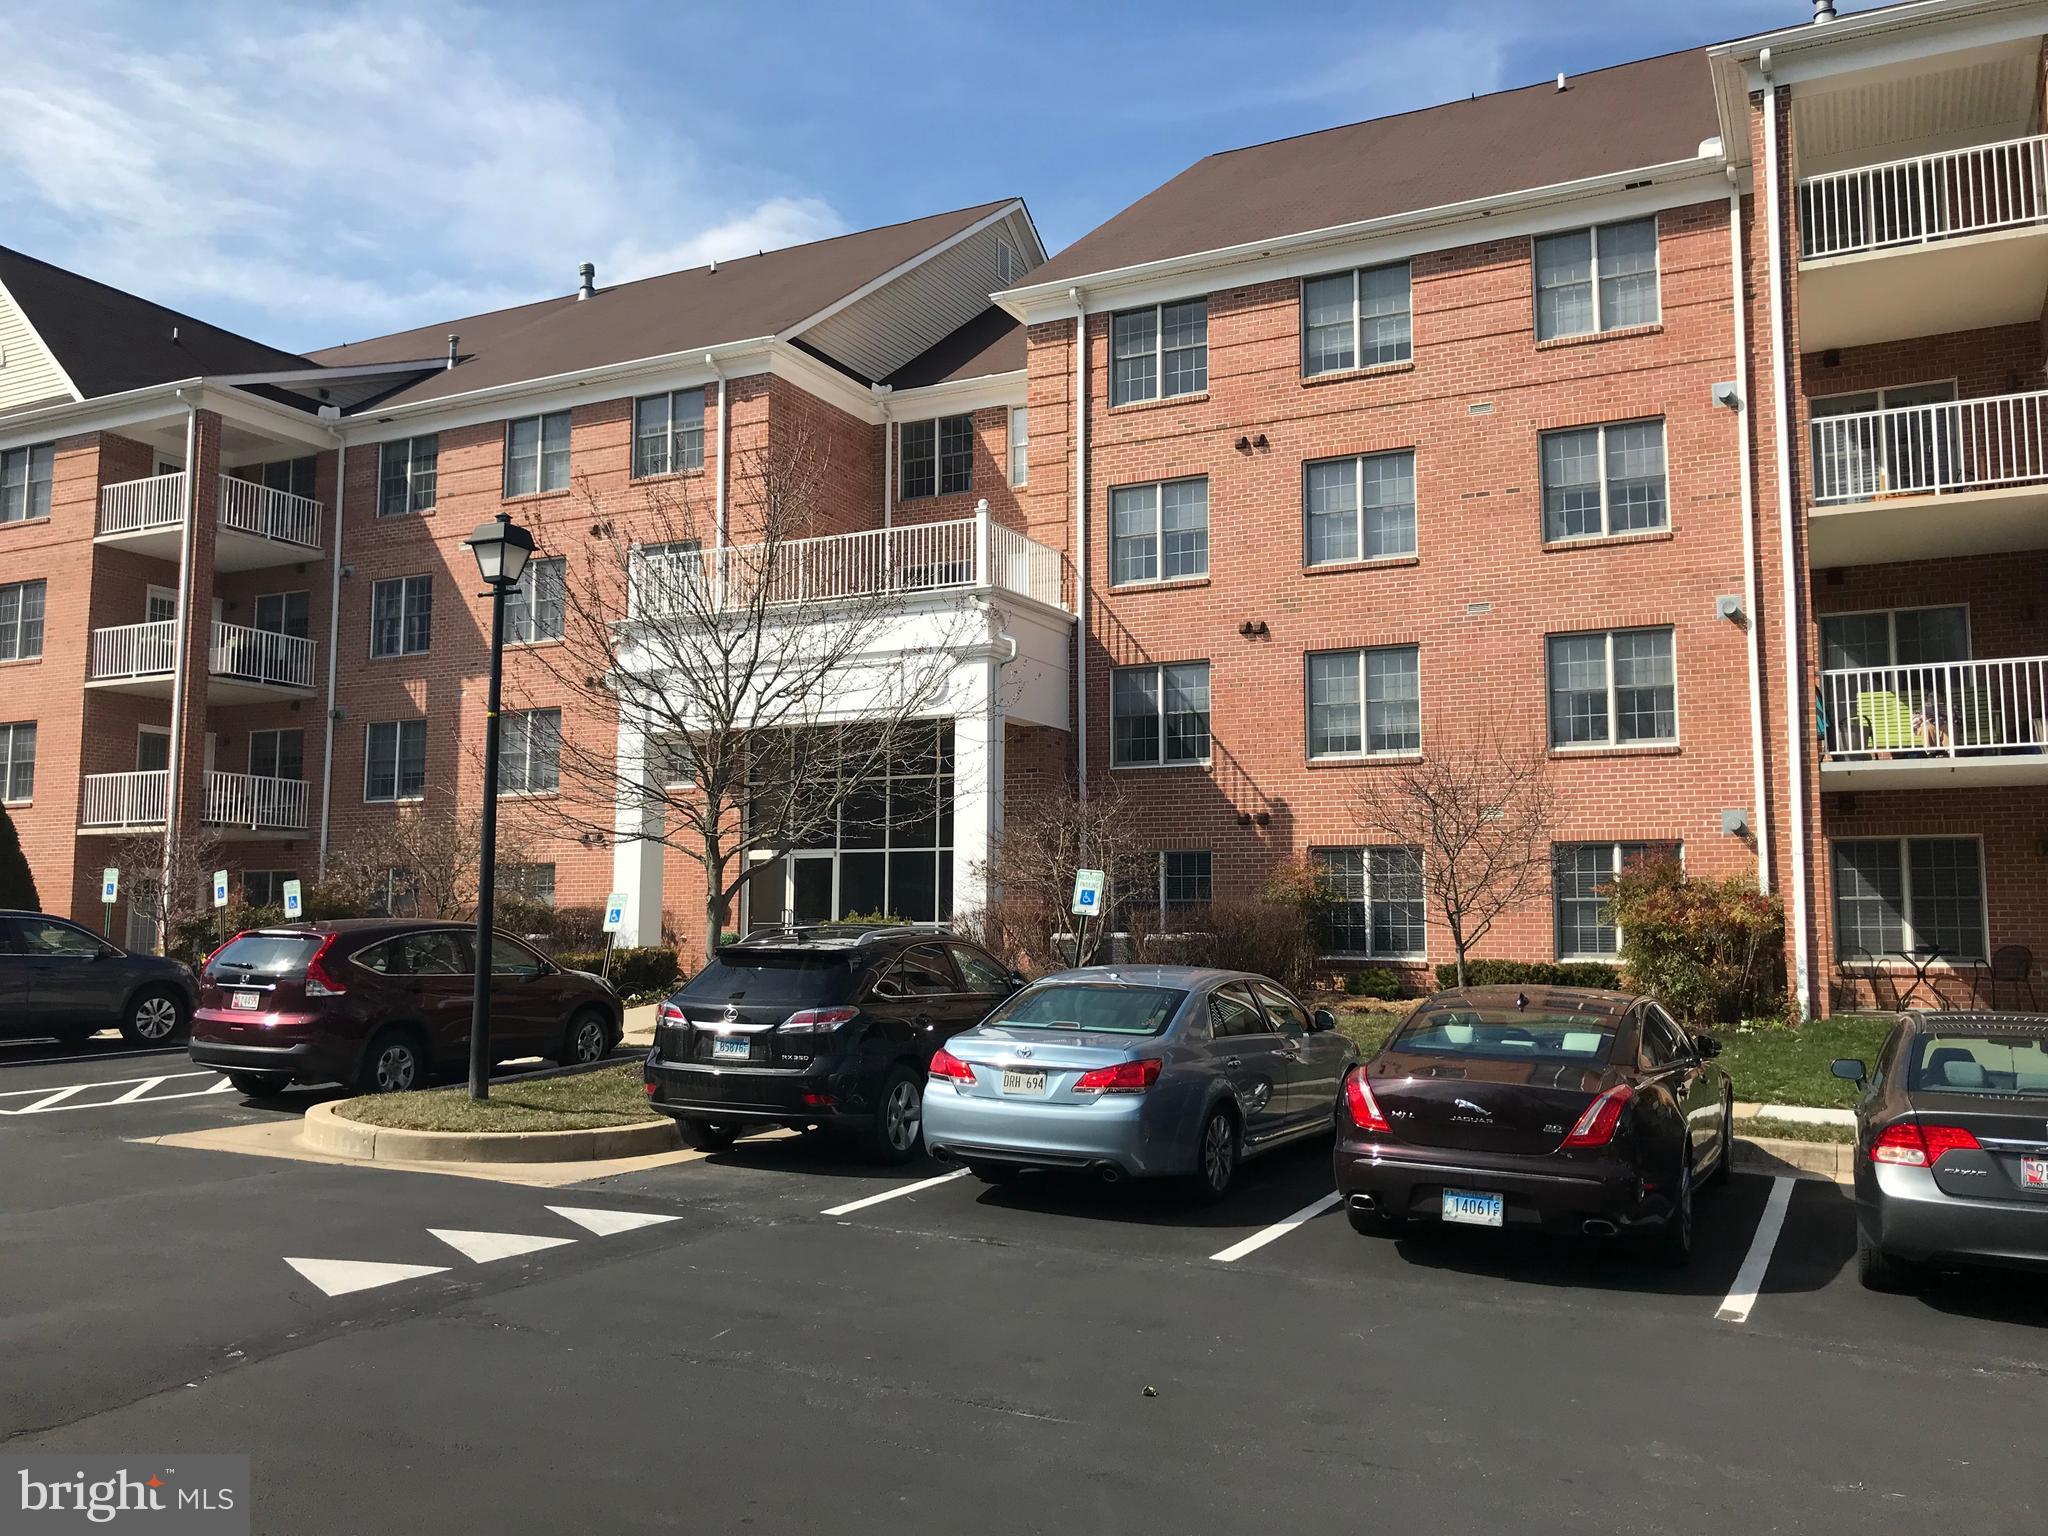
column 1136, row 1071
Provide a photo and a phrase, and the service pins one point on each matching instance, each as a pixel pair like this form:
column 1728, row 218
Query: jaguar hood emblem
column 1477, row 1109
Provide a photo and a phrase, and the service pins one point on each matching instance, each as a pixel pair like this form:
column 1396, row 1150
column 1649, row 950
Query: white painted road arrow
column 482, row 1247
column 339, row 1277
column 605, row 1223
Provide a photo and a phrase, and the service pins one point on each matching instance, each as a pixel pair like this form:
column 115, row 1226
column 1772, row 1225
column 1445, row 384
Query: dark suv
column 831, row 1026
column 383, row 1004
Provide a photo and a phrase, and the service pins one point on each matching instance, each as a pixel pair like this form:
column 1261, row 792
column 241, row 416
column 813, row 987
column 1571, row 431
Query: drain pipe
column 882, row 392
column 333, row 645
column 1788, row 555
column 179, row 653
column 724, row 440
column 1080, row 540
column 1753, row 640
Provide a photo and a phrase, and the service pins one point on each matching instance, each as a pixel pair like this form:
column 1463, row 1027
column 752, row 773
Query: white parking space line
column 1278, row 1230
column 57, row 1097
column 890, row 1194
column 1750, row 1279
column 140, row 1089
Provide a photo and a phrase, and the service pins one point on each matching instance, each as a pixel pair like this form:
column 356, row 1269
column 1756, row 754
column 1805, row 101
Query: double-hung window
column 533, row 608
column 528, row 882
column 407, row 474
column 1357, row 319
column 529, row 755
column 401, row 615
column 395, row 760
column 1613, row 688
column 1159, row 351
column 1184, row 878
column 938, row 457
column 1159, row 715
column 1365, row 703
column 1598, row 279
column 1894, row 895
column 21, row 620
column 1599, row 481
column 17, row 761
column 25, row 475
column 537, row 454
column 1159, row 532
column 1020, row 443
column 1358, row 508
column 1378, row 906
column 1581, row 874
column 668, row 433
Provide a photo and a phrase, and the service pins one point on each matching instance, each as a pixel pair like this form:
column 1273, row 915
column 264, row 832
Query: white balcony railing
column 255, row 801
column 261, row 656
column 962, row 553
column 248, row 507
column 124, row 799
column 157, row 502
column 1930, row 450
column 134, row 650
column 1931, row 197
column 1938, row 709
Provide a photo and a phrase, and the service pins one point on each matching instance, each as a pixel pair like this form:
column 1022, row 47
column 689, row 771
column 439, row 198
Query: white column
column 977, row 781
column 637, row 858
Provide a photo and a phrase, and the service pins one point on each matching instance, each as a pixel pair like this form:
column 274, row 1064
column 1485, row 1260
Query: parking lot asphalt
column 703, row 1346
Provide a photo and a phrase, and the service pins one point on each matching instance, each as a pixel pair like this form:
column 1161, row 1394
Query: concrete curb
column 1799, row 1159
column 323, row 1130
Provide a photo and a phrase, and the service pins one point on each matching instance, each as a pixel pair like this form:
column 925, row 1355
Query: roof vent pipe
column 587, row 287
column 1823, row 10
column 1560, row 81
column 454, row 343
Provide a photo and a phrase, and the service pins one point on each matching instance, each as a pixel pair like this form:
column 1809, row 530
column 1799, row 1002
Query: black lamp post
column 502, row 549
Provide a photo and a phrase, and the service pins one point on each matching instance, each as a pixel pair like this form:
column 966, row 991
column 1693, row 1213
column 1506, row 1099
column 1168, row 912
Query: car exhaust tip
column 1363, row 1203
column 1598, row 1226
column 1109, row 1173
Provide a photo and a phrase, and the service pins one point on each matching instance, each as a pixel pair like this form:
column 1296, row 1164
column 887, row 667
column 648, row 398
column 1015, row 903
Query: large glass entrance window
column 885, row 848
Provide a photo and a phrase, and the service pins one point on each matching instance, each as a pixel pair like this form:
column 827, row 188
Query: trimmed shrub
column 1373, row 981
column 1530, row 973
column 633, row 971
column 1711, row 950
column 17, row 880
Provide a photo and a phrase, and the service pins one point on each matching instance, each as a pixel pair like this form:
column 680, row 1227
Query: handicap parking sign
column 293, row 902
column 220, row 887
column 1087, row 892
column 615, row 912
column 110, row 886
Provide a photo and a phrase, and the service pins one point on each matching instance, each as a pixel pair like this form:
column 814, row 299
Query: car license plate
column 2034, row 1172
column 732, row 1048
column 1024, row 1082
column 248, row 1000
column 1472, row 1209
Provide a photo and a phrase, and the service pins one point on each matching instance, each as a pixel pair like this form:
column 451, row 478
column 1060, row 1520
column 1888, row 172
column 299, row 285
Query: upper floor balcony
column 244, row 665
column 257, row 525
column 1930, row 725
column 1911, row 482
column 1954, row 241
column 235, row 803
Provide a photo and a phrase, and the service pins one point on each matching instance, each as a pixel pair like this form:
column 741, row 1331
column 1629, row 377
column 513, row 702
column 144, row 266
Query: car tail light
column 819, row 1101
column 218, row 948
column 652, row 1089
column 1363, row 1107
column 1914, row 1145
column 1124, row 1077
column 1597, row 1125
column 819, row 1018
column 321, row 982
column 668, row 1013
column 950, row 1068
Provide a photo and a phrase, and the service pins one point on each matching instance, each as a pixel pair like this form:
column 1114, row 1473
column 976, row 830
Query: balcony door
column 1909, row 453
column 159, row 605
column 152, row 749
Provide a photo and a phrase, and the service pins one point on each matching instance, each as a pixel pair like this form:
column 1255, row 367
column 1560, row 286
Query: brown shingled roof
column 992, row 342
column 748, row 297
column 1647, row 113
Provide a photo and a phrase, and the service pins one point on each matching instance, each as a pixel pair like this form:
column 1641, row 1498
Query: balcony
column 1948, row 242
column 244, row 665
column 1936, row 725
column 1961, row 477
column 236, row 803
column 256, row 527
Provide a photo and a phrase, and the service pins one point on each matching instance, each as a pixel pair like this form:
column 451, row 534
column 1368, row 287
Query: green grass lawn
column 1770, row 1064
column 1793, row 1130
column 574, row 1101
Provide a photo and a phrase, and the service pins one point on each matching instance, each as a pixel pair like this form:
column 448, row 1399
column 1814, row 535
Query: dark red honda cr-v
column 383, row 1004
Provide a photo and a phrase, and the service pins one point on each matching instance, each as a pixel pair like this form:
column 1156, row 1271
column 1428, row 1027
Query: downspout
column 888, row 458
column 1753, row 641
column 333, row 645
column 724, row 440
column 178, row 658
column 1788, row 554
column 1080, row 540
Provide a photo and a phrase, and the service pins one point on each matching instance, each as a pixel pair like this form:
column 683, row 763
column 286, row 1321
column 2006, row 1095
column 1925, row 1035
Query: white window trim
column 1885, row 392
column 1358, row 362
column 1364, row 755
column 397, row 764
column 1164, row 900
column 404, row 614
column 526, row 754
column 668, row 396
column 256, row 601
column 540, row 420
column 1613, row 743
column 529, row 593
column 20, row 604
column 28, row 452
column 279, row 731
column 155, row 591
column 1600, row 328
column 937, row 424
column 1911, row 934
column 1417, row 957
column 1158, row 350
column 1607, row 530
column 151, row 730
column 1158, row 488
column 1158, row 668
column 412, row 472
column 7, row 731
column 1019, row 446
column 1357, row 461
column 1891, row 616
column 1614, row 872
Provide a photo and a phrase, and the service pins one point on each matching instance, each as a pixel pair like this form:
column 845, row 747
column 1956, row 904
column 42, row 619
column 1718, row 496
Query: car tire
column 1217, row 1152
column 995, row 1173
column 708, row 1135
column 1880, row 1271
column 154, row 1016
column 1725, row 1163
column 587, row 1039
column 897, row 1131
column 394, row 1063
column 1672, row 1246
column 259, row 1085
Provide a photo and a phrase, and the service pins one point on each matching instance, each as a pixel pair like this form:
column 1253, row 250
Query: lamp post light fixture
column 502, row 549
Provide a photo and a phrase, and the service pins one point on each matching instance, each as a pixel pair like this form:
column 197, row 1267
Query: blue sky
column 312, row 173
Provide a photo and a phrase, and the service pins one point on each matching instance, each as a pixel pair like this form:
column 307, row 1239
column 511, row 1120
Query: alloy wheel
column 1219, row 1156
column 589, row 1044
column 903, row 1116
column 156, row 1018
column 396, row 1068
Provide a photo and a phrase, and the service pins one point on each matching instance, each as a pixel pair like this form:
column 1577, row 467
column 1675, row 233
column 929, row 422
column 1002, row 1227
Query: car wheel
column 154, row 1017
column 1216, row 1155
column 1879, row 1271
column 588, row 1039
column 1725, row 1163
column 898, row 1129
column 709, row 1135
column 392, row 1064
column 259, row 1085
column 995, row 1173
column 1673, row 1243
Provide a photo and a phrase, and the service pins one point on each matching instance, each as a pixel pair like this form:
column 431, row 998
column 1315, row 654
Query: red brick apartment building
column 1685, row 421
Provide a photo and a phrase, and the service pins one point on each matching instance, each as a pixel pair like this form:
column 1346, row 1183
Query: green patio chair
column 1887, row 722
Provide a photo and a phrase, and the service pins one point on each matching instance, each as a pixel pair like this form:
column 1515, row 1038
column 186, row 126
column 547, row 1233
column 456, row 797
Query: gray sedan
column 1136, row 1071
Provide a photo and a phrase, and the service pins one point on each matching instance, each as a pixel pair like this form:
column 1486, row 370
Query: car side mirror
column 1707, row 1046
column 1017, row 979
column 1322, row 1019
column 1849, row 1070
column 887, row 987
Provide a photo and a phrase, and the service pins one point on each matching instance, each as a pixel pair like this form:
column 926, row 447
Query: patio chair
column 1887, row 722
column 1854, row 967
column 2012, row 964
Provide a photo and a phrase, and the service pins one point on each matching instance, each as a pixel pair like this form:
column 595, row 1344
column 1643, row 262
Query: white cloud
column 320, row 176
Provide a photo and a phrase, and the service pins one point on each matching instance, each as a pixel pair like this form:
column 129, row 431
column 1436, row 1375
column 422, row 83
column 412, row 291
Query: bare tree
column 769, row 679
column 1480, row 813
column 168, row 878
column 1030, row 872
column 432, row 852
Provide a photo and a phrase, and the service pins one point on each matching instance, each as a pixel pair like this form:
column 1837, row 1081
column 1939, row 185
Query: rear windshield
column 771, row 979
column 269, row 954
column 2016, row 1065
column 1512, row 1036
column 1109, row 1010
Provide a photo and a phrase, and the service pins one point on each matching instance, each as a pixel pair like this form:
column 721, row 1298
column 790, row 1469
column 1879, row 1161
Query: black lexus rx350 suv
column 832, row 1026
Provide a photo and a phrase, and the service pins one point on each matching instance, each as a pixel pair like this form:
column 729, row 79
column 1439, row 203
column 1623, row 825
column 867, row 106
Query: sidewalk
column 1798, row 1112
column 639, row 1025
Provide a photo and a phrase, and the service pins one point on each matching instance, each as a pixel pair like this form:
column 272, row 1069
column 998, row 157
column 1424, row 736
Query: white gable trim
column 1015, row 205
